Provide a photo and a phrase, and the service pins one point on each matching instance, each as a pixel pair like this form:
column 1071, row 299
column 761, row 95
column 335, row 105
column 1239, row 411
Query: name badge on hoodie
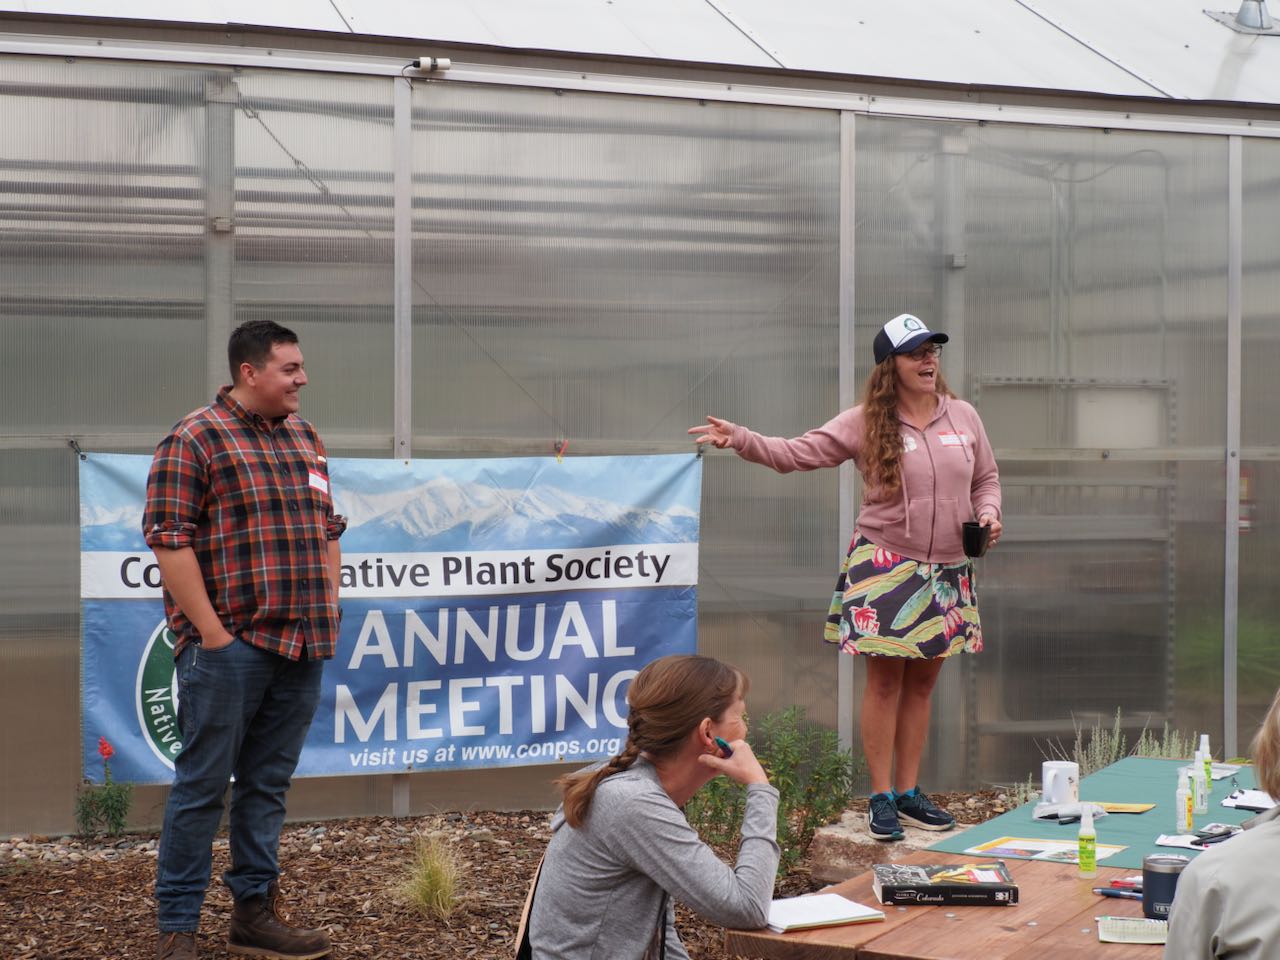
column 953, row 439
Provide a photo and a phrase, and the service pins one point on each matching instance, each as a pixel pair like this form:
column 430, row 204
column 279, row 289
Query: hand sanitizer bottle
column 1199, row 785
column 1087, row 843
column 1182, row 805
column 1208, row 760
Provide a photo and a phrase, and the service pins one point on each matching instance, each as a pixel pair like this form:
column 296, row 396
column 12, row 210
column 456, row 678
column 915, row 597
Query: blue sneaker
column 918, row 810
column 882, row 818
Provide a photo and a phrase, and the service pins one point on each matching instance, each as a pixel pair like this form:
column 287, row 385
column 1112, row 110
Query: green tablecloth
column 1131, row 780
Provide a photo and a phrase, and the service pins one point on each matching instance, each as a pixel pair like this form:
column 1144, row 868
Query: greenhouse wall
column 484, row 269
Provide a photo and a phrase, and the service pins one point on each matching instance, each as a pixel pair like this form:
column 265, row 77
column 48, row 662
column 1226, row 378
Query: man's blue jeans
column 245, row 711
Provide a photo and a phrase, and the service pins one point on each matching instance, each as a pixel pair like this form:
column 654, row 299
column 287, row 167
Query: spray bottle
column 1087, row 843
column 1182, row 805
column 1208, row 760
column 1199, row 785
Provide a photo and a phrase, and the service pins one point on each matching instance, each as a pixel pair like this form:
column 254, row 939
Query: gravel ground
column 64, row 898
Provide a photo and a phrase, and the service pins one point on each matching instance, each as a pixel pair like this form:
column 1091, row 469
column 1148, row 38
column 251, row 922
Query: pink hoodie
column 949, row 476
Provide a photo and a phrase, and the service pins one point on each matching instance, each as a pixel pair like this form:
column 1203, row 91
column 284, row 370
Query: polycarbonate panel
column 313, row 237
column 101, row 309
column 608, row 270
column 39, row 642
column 1081, row 277
column 1259, row 602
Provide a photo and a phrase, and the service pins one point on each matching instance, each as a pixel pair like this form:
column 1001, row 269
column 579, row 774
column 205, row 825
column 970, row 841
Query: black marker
column 724, row 747
column 1214, row 838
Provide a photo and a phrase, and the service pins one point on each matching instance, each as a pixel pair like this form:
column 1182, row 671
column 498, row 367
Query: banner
column 495, row 612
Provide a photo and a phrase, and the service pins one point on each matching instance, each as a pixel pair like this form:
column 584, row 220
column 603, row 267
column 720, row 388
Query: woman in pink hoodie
column 907, row 596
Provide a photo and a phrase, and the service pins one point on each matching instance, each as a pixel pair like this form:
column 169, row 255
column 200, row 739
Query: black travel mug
column 1159, row 881
column 975, row 537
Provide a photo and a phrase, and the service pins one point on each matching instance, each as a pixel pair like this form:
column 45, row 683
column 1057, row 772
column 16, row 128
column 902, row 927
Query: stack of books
column 983, row 884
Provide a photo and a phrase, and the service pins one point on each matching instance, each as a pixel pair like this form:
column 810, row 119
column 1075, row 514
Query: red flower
column 883, row 559
column 966, row 594
column 951, row 622
column 105, row 748
column 865, row 620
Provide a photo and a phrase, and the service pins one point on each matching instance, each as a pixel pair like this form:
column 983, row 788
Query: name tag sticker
column 317, row 481
column 952, row 439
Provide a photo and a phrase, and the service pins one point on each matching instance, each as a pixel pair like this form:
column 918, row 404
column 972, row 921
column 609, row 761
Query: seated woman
column 622, row 850
column 1225, row 905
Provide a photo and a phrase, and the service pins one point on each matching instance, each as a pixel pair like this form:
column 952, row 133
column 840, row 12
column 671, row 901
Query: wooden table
column 1053, row 918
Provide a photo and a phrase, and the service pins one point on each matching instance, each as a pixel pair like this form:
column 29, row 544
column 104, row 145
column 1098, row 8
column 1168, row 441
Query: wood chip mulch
column 342, row 875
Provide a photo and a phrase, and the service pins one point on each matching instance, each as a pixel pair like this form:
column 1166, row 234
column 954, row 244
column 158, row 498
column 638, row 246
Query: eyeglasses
column 928, row 350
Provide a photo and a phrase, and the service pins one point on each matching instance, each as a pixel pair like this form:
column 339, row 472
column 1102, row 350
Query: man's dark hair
column 251, row 343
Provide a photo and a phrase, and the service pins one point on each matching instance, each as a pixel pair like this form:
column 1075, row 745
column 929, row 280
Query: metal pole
column 1231, row 558
column 847, row 392
column 948, row 758
column 402, row 338
column 220, row 98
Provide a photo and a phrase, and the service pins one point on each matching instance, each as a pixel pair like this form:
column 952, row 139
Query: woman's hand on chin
column 742, row 767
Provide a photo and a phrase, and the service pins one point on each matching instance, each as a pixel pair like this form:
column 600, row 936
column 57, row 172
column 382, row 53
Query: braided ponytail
column 580, row 788
column 667, row 699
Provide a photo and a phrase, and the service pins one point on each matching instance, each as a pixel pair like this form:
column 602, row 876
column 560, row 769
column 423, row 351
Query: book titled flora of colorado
column 983, row 883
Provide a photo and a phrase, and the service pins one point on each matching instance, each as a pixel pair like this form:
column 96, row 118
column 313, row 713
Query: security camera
column 432, row 64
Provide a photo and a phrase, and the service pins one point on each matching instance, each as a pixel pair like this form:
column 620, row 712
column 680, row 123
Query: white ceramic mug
column 1060, row 781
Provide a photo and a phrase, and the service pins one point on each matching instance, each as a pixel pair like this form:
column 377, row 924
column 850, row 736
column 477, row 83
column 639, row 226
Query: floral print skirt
column 890, row 606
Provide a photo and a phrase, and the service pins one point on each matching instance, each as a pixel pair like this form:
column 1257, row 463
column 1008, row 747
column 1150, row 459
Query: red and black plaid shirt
column 251, row 497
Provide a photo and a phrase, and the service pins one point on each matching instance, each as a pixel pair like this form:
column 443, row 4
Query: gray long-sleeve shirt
column 1225, row 904
column 603, row 884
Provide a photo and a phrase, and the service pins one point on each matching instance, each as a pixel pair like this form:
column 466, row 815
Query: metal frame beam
column 1122, row 117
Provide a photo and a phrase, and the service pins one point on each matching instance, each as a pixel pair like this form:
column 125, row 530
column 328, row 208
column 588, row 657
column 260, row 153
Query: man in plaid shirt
column 241, row 520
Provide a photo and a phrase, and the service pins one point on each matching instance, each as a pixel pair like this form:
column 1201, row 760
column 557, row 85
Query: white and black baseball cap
column 903, row 334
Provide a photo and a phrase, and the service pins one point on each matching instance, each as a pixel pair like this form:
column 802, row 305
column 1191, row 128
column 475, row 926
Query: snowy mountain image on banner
column 533, row 503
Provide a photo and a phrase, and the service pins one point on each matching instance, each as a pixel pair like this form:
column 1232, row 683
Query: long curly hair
column 667, row 699
column 882, row 443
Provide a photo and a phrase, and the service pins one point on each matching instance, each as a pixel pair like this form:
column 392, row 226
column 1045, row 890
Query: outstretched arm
column 829, row 445
column 717, row 431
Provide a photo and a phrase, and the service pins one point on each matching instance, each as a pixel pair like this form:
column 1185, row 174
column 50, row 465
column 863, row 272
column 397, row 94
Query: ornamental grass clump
column 104, row 808
column 431, row 886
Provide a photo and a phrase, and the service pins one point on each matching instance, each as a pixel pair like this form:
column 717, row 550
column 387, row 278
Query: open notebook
column 818, row 910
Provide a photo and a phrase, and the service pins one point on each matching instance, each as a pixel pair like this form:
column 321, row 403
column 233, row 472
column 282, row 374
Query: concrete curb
column 840, row 850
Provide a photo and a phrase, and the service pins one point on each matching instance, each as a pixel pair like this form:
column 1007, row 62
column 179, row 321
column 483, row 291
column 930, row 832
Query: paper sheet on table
column 1028, row 848
column 1220, row 771
column 818, row 910
column 1258, row 800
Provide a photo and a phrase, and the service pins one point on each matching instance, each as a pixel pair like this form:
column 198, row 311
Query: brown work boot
column 174, row 945
column 260, row 928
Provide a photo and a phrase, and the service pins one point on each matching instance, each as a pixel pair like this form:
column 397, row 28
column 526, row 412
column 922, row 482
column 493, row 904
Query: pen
column 1215, row 838
column 724, row 747
column 1118, row 894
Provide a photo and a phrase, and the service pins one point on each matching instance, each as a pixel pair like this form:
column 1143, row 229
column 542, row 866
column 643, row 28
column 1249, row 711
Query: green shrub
column 813, row 775
column 1171, row 744
column 1102, row 748
column 1022, row 793
column 104, row 808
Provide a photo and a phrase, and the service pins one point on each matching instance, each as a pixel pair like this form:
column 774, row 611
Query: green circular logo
column 156, row 695
column 911, row 324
